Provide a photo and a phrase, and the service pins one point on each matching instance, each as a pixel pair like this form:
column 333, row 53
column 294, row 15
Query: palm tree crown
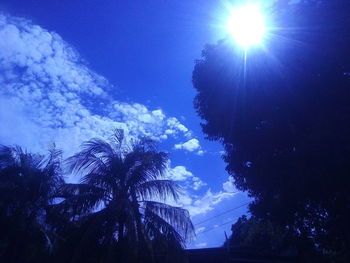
column 28, row 185
column 124, row 189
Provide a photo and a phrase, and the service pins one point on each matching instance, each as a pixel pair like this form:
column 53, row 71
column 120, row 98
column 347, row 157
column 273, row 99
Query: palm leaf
column 94, row 153
column 6, row 156
column 118, row 139
column 177, row 217
column 158, row 228
column 81, row 198
column 121, row 181
column 144, row 166
column 162, row 189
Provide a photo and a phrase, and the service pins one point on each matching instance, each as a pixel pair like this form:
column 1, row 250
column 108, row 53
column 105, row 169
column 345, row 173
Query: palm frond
column 117, row 138
column 6, row 156
column 35, row 174
column 81, row 198
column 162, row 189
column 55, row 156
column 94, row 153
column 158, row 228
column 53, row 170
column 27, row 161
column 99, row 179
column 98, row 147
column 144, row 166
column 177, row 217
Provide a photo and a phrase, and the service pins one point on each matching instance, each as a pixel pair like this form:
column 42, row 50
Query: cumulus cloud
column 175, row 126
column 191, row 146
column 192, row 201
column 207, row 202
column 140, row 120
column 197, row 183
column 181, row 174
column 200, row 204
column 48, row 94
column 229, row 186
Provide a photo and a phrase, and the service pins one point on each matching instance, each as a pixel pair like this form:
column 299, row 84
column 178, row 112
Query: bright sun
column 246, row 25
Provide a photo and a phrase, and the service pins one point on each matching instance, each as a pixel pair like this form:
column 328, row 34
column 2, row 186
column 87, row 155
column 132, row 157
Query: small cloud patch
column 191, row 145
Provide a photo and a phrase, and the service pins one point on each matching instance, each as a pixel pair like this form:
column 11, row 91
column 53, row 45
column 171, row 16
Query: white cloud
column 190, row 145
column 179, row 173
column 140, row 120
column 203, row 203
column 197, row 183
column 175, row 126
column 199, row 204
column 194, row 203
column 207, row 202
column 187, row 179
column 48, row 94
column 200, row 152
column 229, row 186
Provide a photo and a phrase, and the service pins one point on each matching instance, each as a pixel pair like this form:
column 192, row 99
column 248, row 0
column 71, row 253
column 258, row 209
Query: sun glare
column 246, row 25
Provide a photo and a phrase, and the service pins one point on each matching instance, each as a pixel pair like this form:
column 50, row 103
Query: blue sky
column 73, row 70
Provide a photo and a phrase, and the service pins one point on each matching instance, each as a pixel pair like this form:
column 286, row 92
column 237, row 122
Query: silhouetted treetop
column 284, row 118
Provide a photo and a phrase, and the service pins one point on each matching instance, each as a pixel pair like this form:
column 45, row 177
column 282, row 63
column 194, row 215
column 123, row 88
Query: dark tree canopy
column 118, row 212
column 28, row 183
column 263, row 235
column 284, row 118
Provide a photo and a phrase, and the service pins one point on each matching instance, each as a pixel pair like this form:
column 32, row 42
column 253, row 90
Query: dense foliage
column 284, row 120
column 28, row 183
column 116, row 213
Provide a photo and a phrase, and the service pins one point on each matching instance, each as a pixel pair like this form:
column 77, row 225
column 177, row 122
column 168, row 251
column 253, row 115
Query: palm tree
column 123, row 192
column 28, row 184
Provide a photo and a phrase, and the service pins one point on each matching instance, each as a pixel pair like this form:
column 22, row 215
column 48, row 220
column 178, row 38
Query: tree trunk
column 145, row 246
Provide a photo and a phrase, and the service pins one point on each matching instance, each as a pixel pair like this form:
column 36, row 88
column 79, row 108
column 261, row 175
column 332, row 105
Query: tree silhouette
column 120, row 200
column 28, row 184
column 283, row 117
